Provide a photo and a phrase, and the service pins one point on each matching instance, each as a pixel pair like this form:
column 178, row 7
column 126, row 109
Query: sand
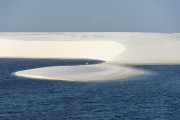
column 81, row 73
column 116, row 48
column 134, row 48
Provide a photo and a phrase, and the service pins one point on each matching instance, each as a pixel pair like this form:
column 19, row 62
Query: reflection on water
column 141, row 97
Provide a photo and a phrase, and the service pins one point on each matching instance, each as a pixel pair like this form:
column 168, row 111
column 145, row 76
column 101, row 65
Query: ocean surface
column 144, row 97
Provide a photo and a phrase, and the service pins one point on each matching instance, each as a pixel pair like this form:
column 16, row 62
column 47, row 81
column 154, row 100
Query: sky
column 90, row 16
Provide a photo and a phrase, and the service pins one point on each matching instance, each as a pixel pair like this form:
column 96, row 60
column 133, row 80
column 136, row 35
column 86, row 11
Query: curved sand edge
column 81, row 73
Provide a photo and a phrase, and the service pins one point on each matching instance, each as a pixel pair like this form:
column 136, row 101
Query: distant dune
column 115, row 48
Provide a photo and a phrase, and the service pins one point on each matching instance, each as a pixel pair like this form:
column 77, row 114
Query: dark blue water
column 143, row 97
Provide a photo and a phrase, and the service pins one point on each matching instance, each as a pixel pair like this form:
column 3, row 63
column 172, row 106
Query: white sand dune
column 120, row 48
column 133, row 48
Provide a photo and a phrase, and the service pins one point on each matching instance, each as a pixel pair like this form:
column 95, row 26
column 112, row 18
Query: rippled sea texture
column 142, row 97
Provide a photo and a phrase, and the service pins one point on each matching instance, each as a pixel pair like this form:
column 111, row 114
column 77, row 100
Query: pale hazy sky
column 90, row 15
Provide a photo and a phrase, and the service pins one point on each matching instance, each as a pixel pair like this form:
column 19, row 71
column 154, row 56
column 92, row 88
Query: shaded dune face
column 113, row 48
